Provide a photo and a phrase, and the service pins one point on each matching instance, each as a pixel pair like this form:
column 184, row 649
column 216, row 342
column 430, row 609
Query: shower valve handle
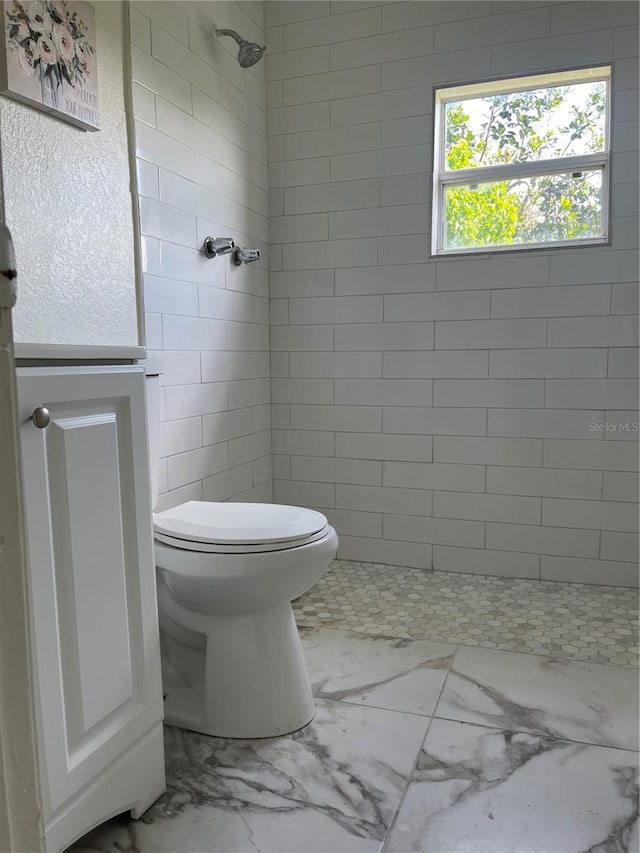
column 214, row 246
column 245, row 256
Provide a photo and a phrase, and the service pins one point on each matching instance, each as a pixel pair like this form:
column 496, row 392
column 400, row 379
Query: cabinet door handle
column 41, row 417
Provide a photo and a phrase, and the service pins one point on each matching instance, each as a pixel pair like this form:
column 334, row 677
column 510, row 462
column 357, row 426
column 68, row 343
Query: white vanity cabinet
column 95, row 644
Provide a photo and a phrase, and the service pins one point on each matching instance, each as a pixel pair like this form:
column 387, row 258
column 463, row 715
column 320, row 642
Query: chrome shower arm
column 234, row 35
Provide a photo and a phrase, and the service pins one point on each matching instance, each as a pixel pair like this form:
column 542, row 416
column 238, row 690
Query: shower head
column 249, row 52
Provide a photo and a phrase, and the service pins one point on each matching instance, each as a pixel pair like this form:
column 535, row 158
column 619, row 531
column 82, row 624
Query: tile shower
column 437, row 411
column 487, row 710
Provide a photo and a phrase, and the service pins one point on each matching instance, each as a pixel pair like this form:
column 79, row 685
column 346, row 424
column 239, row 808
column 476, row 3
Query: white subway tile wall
column 202, row 170
column 466, row 414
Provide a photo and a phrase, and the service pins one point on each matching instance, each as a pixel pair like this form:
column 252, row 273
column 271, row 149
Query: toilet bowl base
column 179, row 704
column 183, row 707
column 256, row 682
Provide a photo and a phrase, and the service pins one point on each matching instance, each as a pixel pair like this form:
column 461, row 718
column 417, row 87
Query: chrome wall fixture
column 245, row 256
column 249, row 52
column 214, row 246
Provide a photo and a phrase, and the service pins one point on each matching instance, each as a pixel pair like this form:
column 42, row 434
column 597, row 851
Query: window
column 522, row 163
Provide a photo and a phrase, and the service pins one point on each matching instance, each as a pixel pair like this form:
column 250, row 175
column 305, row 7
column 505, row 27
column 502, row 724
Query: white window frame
column 535, row 168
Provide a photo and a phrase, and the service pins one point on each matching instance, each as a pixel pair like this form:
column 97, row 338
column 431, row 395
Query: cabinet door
column 92, row 577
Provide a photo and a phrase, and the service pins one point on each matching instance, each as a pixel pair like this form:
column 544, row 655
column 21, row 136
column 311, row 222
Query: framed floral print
column 48, row 58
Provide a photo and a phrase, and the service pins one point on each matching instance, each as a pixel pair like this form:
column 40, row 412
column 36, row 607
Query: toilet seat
column 238, row 528
column 216, row 548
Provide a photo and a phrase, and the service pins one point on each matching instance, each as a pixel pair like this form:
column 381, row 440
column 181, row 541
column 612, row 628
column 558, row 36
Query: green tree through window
column 542, row 125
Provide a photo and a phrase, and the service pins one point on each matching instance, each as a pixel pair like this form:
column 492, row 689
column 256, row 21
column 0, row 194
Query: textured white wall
column 438, row 411
column 67, row 201
column 20, row 811
column 201, row 156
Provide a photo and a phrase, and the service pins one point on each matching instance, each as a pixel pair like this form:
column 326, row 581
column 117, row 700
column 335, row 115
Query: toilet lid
column 238, row 524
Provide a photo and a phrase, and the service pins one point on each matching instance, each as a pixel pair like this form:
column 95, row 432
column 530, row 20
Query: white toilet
column 232, row 663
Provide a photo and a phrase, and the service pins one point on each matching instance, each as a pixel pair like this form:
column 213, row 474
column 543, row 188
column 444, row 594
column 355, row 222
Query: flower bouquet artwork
column 50, row 59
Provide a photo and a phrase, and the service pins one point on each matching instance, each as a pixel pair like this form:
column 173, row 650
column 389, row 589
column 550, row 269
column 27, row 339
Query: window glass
column 544, row 209
column 521, row 127
column 522, row 162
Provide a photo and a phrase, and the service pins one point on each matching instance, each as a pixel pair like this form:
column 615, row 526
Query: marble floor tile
column 480, row 790
column 573, row 700
column 332, row 786
column 526, row 754
column 383, row 672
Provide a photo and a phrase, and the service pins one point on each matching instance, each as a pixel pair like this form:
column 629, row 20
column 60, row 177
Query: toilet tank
column 153, row 370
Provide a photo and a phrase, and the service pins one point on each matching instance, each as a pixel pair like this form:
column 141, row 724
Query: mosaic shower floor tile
column 580, row 621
